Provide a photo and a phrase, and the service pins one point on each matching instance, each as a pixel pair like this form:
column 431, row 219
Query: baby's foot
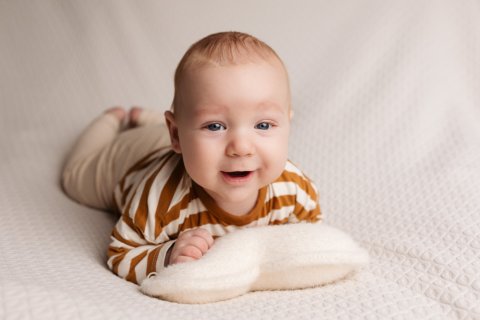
column 134, row 116
column 118, row 112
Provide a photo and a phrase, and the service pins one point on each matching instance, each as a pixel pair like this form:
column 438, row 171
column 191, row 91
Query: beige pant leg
column 103, row 154
column 150, row 117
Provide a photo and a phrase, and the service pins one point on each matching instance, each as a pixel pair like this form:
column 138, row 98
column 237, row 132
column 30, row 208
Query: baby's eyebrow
column 264, row 106
column 212, row 109
column 271, row 106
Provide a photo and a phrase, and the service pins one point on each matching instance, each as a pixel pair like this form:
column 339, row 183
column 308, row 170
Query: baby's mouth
column 237, row 177
column 237, row 174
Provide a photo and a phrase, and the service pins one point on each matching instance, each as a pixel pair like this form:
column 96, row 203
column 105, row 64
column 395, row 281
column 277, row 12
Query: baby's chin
column 235, row 194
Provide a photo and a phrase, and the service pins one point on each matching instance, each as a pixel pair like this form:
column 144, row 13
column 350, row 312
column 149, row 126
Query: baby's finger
column 191, row 251
column 183, row 259
column 207, row 236
column 199, row 243
column 187, row 234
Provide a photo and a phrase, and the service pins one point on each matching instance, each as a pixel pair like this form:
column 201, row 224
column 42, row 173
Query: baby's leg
column 140, row 117
column 80, row 172
column 103, row 154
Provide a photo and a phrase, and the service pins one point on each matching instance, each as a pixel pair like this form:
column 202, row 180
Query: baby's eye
column 215, row 127
column 263, row 126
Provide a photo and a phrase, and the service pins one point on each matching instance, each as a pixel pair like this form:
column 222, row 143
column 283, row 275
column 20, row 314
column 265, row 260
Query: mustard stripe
column 302, row 182
column 132, row 276
column 119, row 237
column 152, row 260
column 141, row 213
column 166, row 197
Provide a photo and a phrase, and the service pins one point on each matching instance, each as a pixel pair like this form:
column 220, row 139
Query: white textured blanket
column 386, row 95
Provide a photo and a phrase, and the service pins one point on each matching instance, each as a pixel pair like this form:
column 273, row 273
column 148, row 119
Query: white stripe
column 290, row 167
column 139, row 190
column 135, row 178
column 124, row 265
column 172, row 227
column 133, row 183
column 282, row 213
column 136, row 199
column 153, row 197
column 110, row 262
column 127, row 233
column 182, row 190
column 141, row 268
column 279, row 189
column 119, row 244
column 159, row 183
column 220, row 230
column 291, row 188
column 194, row 207
column 293, row 219
column 305, row 200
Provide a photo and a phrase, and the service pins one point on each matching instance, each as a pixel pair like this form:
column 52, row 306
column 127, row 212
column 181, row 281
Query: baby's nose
column 239, row 145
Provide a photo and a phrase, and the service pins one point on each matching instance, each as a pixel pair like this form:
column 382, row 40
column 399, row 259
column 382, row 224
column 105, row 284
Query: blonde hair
column 220, row 49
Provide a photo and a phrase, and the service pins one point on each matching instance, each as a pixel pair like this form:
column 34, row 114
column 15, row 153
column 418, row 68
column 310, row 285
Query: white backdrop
column 387, row 111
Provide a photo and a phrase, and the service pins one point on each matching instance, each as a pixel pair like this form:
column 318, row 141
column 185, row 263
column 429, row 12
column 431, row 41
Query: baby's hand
column 190, row 245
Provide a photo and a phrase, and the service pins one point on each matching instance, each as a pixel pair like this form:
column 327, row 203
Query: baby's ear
column 173, row 130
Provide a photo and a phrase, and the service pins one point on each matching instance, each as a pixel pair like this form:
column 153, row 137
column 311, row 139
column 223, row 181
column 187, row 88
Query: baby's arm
column 307, row 207
column 133, row 258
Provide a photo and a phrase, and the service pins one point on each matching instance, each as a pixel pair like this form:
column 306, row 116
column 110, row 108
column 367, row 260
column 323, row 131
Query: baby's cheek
column 275, row 165
column 279, row 159
column 278, row 149
column 200, row 160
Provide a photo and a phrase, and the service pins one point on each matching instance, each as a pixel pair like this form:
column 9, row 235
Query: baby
column 216, row 162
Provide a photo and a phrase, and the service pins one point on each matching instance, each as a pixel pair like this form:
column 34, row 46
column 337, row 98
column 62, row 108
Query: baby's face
column 233, row 130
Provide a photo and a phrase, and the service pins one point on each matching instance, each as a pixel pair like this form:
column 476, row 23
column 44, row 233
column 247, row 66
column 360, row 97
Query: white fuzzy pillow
column 289, row 256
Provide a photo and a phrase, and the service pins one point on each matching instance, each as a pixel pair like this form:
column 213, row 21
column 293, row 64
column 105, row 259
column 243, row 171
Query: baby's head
column 230, row 117
column 222, row 49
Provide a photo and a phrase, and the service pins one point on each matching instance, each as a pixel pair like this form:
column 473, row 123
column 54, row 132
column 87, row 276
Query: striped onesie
column 158, row 200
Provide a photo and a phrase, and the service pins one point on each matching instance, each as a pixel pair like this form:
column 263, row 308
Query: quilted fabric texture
column 387, row 110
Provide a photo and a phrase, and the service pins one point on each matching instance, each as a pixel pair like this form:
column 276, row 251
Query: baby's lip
column 237, row 177
column 237, row 173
